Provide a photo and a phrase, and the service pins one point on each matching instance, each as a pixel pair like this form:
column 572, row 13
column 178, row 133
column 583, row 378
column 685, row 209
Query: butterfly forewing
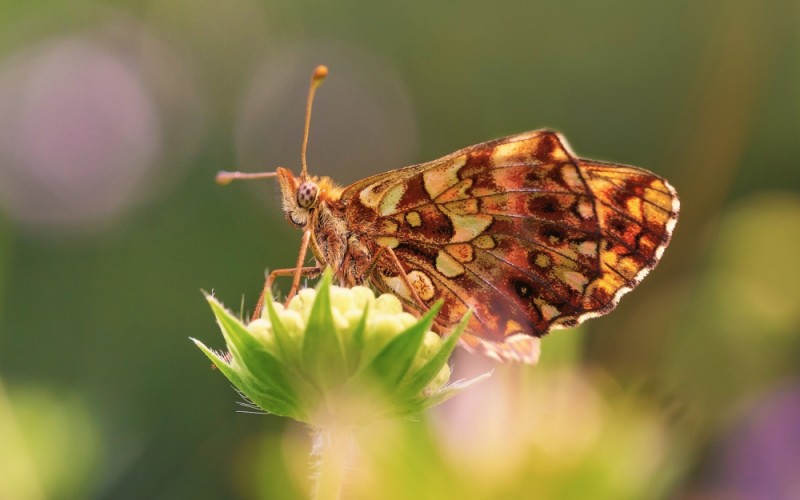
column 517, row 229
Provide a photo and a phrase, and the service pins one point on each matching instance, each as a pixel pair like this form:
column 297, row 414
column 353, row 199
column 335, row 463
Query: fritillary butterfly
column 520, row 230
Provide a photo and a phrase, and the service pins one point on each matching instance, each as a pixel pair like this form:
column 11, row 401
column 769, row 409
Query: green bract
column 337, row 355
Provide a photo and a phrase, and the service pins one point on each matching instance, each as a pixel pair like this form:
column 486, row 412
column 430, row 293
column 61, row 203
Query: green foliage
column 331, row 376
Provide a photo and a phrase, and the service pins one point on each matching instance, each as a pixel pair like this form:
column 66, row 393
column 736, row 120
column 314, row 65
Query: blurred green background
column 114, row 117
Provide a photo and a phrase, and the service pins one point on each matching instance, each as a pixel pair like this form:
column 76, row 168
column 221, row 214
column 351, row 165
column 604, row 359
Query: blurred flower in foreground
column 39, row 427
column 336, row 358
column 759, row 457
column 558, row 432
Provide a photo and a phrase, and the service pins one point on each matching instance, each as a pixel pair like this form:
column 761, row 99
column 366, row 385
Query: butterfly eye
column 307, row 194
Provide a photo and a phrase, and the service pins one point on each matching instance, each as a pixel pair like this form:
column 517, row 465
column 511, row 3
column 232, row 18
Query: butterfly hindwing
column 519, row 230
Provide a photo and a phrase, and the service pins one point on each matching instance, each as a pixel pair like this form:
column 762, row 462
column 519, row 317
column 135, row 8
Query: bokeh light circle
column 363, row 121
column 78, row 131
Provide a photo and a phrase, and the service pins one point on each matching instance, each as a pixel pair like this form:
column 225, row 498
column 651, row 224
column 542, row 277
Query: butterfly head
column 299, row 197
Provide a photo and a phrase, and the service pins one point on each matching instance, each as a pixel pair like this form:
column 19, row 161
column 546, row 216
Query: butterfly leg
column 301, row 257
column 297, row 272
column 421, row 305
column 310, row 272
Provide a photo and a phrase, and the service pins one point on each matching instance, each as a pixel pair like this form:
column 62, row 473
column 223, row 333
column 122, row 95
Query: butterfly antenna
column 224, row 177
column 316, row 80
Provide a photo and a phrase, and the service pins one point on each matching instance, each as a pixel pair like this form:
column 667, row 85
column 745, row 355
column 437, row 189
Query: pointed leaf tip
column 322, row 349
column 395, row 360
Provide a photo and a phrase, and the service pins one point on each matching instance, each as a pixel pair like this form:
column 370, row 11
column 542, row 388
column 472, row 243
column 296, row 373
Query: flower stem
column 333, row 447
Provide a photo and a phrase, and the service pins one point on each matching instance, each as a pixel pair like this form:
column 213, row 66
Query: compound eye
column 307, row 194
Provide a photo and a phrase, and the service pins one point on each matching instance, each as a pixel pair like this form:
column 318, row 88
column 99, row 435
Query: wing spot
column 585, row 210
column 569, row 174
column 512, row 327
column 391, row 199
column 371, row 195
column 543, row 204
column 549, row 311
column 618, row 225
column 467, row 227
column 541, row 259
column 447, row 265
column 576, row 280
column 524, row 289
column 387, row 226
column 462, row 252
column 463, row 207
column 502, row 152
column 387, row 241
column 397, row 286
column 458, row 192
column 414, row 219
column 588, row 248
column 422, row 284
column 552, row 234
column 484, row 242
column 439, row 179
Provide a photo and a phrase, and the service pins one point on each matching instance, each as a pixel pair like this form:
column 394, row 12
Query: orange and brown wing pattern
column 637, row 212
column 518, row 230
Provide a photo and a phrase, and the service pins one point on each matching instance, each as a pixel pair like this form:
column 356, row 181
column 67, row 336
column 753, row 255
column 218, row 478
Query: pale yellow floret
column 261, row 329
column 353, row 316
column 339, row 320
column 388, row 304
column 302, row 301
column 430, row 345
column 406, row 320
column 342, row 299
column 362, row 296
column 293, row 322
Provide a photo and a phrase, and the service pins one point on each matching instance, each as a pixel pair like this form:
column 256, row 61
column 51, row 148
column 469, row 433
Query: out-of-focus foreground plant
column 336, row 359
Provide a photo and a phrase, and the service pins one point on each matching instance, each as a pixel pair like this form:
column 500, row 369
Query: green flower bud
column 337, row 354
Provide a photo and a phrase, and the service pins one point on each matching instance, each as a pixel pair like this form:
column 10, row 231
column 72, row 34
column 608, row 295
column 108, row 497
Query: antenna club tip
column 223, row 178
column 320, row 73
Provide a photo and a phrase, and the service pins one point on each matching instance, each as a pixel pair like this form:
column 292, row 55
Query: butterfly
column 520, row 230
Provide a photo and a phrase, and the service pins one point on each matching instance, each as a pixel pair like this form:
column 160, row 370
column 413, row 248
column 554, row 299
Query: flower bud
column 337, row 354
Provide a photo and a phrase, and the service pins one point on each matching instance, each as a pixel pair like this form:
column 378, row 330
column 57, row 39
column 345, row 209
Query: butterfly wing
column 517, row 229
